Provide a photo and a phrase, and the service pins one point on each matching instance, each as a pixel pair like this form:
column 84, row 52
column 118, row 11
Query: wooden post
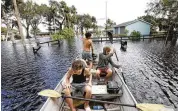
column 48, row 43
column 58, row 42
column 143, row 37
column 101, row 39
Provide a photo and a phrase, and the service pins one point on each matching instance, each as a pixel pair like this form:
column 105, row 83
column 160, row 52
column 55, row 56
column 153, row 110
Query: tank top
column 79, row 78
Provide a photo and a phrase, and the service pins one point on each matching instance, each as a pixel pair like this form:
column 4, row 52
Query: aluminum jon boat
column 99, row 92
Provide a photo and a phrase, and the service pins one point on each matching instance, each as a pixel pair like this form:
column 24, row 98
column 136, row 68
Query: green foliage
column 57, row 14
column 126, row 32
column 135, row 35
column 67, row 32
column 35, row 31
column 7, row 5
column 63, row 34
column 167, row 10
column 57, row 36
column 3, row 30
column 110, row 23
column 122, row 35
column 97, row 33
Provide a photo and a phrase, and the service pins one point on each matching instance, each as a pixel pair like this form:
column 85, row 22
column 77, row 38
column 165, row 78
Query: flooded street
column 150, row 69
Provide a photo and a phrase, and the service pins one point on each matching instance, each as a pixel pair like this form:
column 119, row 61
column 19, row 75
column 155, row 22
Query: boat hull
column 54, row 104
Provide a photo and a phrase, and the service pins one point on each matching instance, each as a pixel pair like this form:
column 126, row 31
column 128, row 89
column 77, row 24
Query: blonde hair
column 106, row 49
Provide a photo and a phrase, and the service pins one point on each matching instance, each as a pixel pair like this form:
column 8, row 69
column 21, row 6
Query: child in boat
column 79, row 72
column 103, row 63
column 87, row 49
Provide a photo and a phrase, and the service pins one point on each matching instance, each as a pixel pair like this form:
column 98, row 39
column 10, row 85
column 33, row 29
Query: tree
column 35, row 31
column 152, row 20
column 5, row 20
column 110, row 23
column 16, row 12
column 27, row 14
column 166, row 10
column 60, row 14
column 9, row 6
column 73, row 18
column 37, row 14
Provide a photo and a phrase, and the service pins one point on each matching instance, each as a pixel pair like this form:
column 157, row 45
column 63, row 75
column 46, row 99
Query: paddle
column 111, row 40
column 142, row 106
column 116, row 56
column 123, row 75
column 110, row 37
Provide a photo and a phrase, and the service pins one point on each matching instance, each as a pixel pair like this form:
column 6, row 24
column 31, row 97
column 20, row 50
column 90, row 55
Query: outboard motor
column 124, row 45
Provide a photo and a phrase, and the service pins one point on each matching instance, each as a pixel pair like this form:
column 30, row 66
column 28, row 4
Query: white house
column 138, row 25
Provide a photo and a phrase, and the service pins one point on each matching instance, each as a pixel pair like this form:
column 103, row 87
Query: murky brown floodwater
column 150, row 69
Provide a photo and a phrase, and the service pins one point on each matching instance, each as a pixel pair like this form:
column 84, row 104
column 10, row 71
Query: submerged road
column 150, row 69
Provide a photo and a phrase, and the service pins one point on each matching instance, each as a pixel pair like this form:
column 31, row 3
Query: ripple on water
column 150, row 69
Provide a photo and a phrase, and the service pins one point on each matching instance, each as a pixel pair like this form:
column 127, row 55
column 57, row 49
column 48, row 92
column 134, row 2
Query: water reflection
column 150, row 68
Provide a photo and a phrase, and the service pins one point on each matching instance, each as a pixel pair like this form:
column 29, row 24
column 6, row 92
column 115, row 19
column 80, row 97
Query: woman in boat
column 103, row 63
column 79, row 72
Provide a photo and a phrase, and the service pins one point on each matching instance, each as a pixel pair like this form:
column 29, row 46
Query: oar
column 142, row 106
column 111, row 40
column 123, row 75
column 116, row 56
column 110, row 37
column 120, row 68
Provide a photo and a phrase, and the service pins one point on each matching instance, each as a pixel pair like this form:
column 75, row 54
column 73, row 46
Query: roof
column 131, row 22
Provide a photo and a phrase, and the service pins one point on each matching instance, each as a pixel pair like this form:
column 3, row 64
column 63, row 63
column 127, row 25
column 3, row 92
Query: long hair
column 77, row 65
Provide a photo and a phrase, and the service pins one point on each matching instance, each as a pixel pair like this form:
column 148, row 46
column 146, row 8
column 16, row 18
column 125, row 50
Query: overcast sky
column 117, row 10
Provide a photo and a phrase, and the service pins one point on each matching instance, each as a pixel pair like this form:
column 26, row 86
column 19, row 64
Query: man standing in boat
column 87, row 49
column 103, row 63
column 79, row 72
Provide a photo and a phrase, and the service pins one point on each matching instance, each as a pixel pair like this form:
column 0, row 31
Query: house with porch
column 138, row 25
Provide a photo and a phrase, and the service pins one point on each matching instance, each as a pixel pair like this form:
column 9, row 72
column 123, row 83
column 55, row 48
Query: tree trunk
column 170, row 33
column 60, row 27
column 27, row 29
column 7, row 33
column 18, row 20
column 82, row 30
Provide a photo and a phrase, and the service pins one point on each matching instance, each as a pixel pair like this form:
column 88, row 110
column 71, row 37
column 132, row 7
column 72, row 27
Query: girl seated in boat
column 79, row 72
column 103, row 63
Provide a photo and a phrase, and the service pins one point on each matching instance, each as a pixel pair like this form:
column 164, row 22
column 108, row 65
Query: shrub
column 126, row 32
column 63, row 34
column 122, row 35
column 135, row 35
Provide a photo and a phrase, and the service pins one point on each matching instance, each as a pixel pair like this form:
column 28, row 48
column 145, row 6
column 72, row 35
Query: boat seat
column 99, row 89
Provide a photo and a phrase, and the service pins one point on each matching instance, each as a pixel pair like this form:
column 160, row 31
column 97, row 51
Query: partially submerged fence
column 117, row 38
column 35, row 49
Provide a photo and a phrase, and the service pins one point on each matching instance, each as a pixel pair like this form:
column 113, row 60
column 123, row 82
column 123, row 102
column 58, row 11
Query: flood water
column 150, row 69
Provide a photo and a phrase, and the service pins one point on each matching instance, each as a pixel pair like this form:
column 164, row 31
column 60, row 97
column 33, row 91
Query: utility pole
column 106, row 19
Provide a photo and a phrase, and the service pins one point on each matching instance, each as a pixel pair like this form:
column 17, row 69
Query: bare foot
column 73, row 109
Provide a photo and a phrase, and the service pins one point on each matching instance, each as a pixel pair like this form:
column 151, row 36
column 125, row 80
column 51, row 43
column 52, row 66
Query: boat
column 99, row 92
